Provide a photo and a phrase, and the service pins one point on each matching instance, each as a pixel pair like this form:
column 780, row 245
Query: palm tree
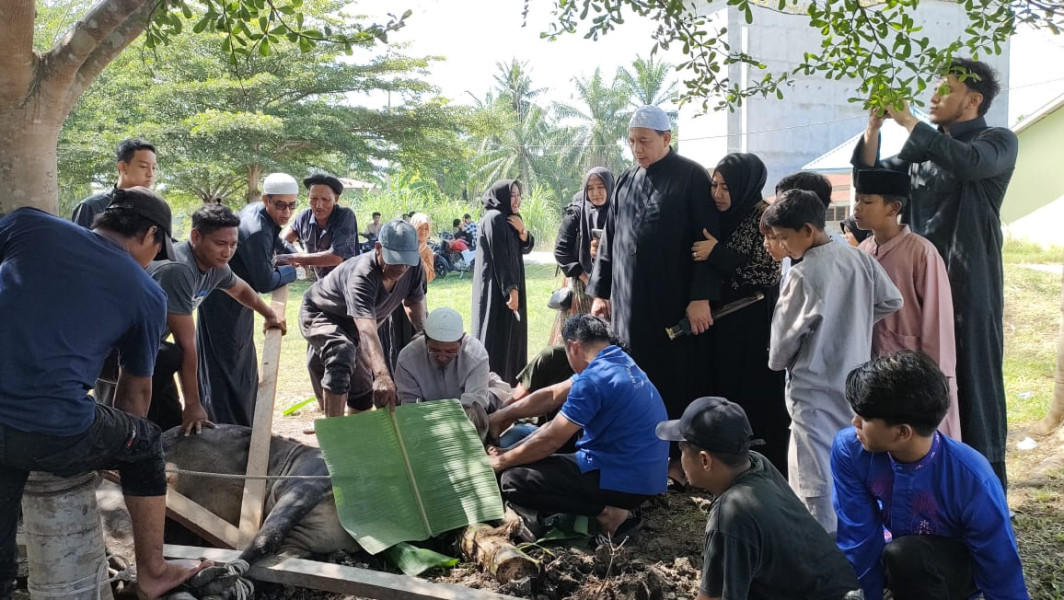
column 601, row 127
column 650, row 82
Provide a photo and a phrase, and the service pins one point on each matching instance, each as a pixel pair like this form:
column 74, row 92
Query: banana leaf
column 414, row 561
column 408, row 475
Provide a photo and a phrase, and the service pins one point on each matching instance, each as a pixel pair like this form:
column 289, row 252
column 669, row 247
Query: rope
column 98, row 580
column 176, row 471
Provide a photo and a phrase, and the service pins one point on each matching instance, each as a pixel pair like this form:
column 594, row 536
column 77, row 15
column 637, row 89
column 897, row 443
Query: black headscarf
column 851, row 224
column 595, row 216
column 745, row 176
column 498, row 196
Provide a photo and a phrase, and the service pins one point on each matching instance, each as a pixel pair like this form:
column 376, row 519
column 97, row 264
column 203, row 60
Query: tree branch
column 106, row 25
column 17, row 60
column 107, row 50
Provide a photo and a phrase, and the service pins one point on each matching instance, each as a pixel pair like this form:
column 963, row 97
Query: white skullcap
column 444, row 325
column 280, row 183
column 650, row 117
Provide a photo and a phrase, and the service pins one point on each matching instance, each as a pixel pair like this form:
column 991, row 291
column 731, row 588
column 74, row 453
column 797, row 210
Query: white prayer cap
column 650, row 117
column 444, row 325
column 280, row 183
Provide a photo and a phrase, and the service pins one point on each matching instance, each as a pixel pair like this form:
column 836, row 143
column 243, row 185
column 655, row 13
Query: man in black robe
column 225, row 335
column 959, row 175
column 645, row 276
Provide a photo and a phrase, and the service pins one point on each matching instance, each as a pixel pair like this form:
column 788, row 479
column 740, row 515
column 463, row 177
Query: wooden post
column 262, row 428
column 338, row 579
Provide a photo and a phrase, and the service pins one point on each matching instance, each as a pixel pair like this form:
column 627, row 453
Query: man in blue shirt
column 619, row 462
column 54, row 343
column 937, row 500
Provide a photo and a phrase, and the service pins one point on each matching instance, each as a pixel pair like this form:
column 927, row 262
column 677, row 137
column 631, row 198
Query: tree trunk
column 1055, row 416
column 253, row 177
column 28, row 155
column 491, row 549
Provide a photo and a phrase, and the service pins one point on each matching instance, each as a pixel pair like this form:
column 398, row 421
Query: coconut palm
column 650, row 82
column 599, row 123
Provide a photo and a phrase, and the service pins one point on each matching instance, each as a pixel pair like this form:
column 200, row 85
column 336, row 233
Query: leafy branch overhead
column 876, row 43
column 254, row 26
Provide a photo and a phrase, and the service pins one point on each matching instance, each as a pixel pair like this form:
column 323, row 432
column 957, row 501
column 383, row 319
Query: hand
column 583, row 277
column 194, row 419
column 514, row 303
column 594, row 248
column 876, row 116
column 285, row 259
column 902, row 116
column 497, row 424
column 700, row 316
column 700, row 251
column 384, row 391
column 495, row 458
column 273, row 322
column 601, row 308
column 519, row 226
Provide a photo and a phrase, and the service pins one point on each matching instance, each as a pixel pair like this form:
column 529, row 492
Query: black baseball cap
column 152, row 207
column 713, row 424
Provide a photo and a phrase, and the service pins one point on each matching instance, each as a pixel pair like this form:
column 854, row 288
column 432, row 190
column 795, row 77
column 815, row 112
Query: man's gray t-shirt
column 185, row 285
column 355, row 289
column 762, row 544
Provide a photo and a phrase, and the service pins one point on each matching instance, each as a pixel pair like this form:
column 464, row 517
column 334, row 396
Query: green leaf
column 298, row 405
column 408, row 474
column 414, row 561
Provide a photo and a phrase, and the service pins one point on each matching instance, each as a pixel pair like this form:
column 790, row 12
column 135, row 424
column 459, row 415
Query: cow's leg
column 293, row 504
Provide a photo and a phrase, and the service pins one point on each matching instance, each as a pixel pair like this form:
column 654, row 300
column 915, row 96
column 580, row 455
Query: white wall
column 814, row 115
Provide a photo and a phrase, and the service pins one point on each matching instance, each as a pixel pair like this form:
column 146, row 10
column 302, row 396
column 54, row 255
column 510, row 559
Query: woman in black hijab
column 740, row 340
column 576, row 245
column 500, row 312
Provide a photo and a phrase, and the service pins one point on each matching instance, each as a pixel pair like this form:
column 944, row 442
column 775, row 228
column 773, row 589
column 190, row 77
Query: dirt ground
column 664, row 562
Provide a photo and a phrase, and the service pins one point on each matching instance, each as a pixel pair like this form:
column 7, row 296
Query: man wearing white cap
column 340, row 315
column 644, row 275
column 228, row 363
column 446, row 363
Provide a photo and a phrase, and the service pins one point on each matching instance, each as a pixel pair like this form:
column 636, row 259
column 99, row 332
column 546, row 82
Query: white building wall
column 814, row 115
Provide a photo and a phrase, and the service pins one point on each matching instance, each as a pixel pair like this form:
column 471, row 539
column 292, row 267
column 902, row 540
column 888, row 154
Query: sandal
column 628, row 530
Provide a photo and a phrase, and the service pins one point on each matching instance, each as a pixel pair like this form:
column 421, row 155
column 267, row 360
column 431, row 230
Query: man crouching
column 619, row 461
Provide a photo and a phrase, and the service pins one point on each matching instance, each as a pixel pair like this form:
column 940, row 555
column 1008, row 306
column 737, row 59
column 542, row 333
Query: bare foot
column 174, row 572
column 610, row 519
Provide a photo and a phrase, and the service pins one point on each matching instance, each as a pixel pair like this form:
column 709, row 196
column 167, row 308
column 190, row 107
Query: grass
column 1032, row 322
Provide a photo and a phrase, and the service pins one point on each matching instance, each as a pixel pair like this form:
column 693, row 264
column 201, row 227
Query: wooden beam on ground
column 201, row 521
column 338, row 579
column 262, row 427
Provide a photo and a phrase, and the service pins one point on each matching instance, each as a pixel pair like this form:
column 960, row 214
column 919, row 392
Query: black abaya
column 498, row 268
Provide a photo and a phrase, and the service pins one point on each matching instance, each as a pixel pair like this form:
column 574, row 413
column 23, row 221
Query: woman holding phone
column 577, row 241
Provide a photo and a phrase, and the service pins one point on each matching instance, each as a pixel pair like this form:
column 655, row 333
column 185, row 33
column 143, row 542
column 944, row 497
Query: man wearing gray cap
column 761, row 542
column 340, row 315
column 327, row 231
column 644, row 275
column 228, row 363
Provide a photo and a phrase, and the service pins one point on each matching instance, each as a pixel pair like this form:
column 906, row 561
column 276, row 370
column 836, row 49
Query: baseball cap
column 444, row 325
column 711, row 423
column 650, row 117
column 152, row 207
column 280, row 183
column 398, row 241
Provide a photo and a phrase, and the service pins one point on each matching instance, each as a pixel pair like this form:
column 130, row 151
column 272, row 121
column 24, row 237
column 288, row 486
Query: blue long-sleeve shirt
column 952, row 493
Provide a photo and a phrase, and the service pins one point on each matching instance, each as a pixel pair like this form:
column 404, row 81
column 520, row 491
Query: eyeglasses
column 282, row 206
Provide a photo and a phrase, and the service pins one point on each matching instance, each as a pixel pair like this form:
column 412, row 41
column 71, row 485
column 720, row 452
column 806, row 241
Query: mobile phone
column 596, row 234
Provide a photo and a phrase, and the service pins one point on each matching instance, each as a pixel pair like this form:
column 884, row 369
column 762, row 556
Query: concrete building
column 1033, row 208
column 814, row 115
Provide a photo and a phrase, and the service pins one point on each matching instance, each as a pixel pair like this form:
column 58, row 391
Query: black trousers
column 115, row 440
column 556, row 485
column 165, row 410
column 927, row 567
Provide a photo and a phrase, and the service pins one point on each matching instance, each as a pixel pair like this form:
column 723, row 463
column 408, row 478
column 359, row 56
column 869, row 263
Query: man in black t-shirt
column 341, row 313
column 761, row 541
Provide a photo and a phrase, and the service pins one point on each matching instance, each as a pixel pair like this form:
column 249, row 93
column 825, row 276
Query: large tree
column 600, row 122
column 39, row 88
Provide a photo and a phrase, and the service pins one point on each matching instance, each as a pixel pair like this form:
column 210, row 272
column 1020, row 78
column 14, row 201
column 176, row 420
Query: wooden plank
column 338, row 579
column 201, row 521
column 262, row 427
